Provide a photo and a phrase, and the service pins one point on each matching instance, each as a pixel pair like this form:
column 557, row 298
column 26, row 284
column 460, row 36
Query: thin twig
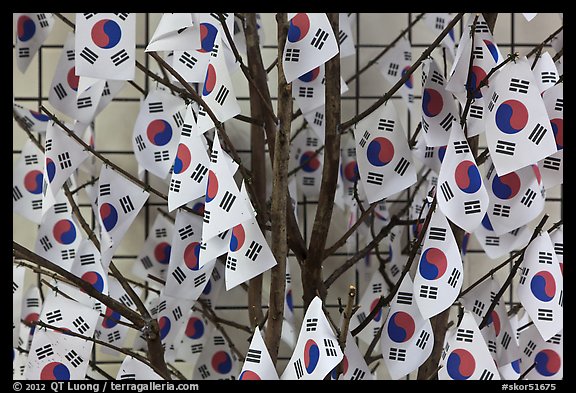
column 541, row 45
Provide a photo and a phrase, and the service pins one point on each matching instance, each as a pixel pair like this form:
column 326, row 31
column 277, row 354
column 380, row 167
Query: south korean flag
column 308, row 89
column 175, row 31
column 106, row 45
column 518, row 130
column 545, row 72
column 383, row 156
column 34, row 121
column 394, row 65
column 157, row 131
column 309, row 161
column 439, row 275
column 133, row 369
column 463, row 197
column 552, row 167
column 67, row 314
column 197, row 331
column 431, row 156
column 172, row 319
column 27, row 182
column 547, row 356
column 217, row 361
column 32, row 29
column 258, row 365
column 154, row 255
column 496, row 246
column 354, row 367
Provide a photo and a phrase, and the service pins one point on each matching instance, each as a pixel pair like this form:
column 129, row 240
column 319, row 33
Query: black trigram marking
column 219, row 340
column 407, row 56
column 179, row 275
column 393, row 69
column 478, row 307
column 104, row 189
column 74, row 359
column 106, row 90
column 306, row 92
column 552, row 163
column 311, row 324
column 357, row 375
column 440, row 23
column 163, row 155
column 481, row 27
column 227, row 201
column 60, row 91
column 186, row 130
column 178, row 120
column 319, row 39
column 298, row 368
column 519, row 85
column 42, row 20
column 128, row 377
column 214, row 156
column 476, row 111
column 436, row 77
column 231, row 263
column 446, row 191
column 342, row 36
column 318, row 118
column 524, row 275
column 54, row 316
column 155, row 107
column 146, row 262
column 16, row 193
column 446, row 123
column 423, row 339
column 45, row 243
column 30, row 159
column 125, row 300
column 472, row 207
column 493, row 101
column 404, row 298
column 486, row 375
column 36, row 204
column 140, row 142
column 361, row 316
column 311, row 141
column 214, row 52
column 119, row 57
column 548, row 77
column 329, row 347
column 465, row 335
column 461, row 147
column 364, row 139
column 394, row 270
column 206, row 218
column 126, row 204
column 478, row 53
column 122, row 16
column 545, row 257
column 501, row 210
column 429, row 152
column 253, row 356
column 204, row 372
column 377, row 288
column 386, row 125
column 44, row 351
column 556, row 339
column 375, row 178
column 505, row 342
column 429, row 292
column 492, row 241
column 199, row 280
column 196, row 348
column 545, row 314
column 410, row 97
column 528, row 197
column 64, row 160
column 14, row 287
column 537, row 134
column 398, row 354
column 175, row 185
column 162, row 306
column 559, row 248
column 81, row 325
column 23, row 52
column 402, row 166
column 89, row 55
column 454, row 277
column 32, row 302
column 559, row 106
column 222, row 95
column 253, row 251
column 48, row 144
column 222, row 235
column 177, row 313
column 292, row 54
column 530, row 347
column 561, row 298
column 67, row 254
column 85, row 102
column 186, row 232
column 199, row 173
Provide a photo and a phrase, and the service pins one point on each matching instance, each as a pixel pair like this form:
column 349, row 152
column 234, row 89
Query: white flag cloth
column 557, row 238
column 518, row 131
column 310, row 43
column 510, row 371
column 394, row 65
column 317, row 351
column 383, row 156
column 106, row 45
column 438, row 278
column 431, row 156
column 438, row 106
column 258, row 364
column 354, row 367
column 172, row 313
column 548, row 356
column 18, row 275
column 394, row 266
column 437, row 21
column 407, row 338
column 496, row 246
column 463, row 198
column 529, row 15
column 34, row 120
column 224, row 207
column 32, row 29
column 119, row 201
column 541, row 286
column 189, row 175
column 215, row 247
column 175, row 31
column 466, row 355
column 289, row 335
column 374, row 290
column 88, row 266
column 133, row 369
column 545, row 72
column 515, row 198
column 67, row 314
column 304, row 155
column 62, row 156
column 154, row 255
column 346, row 43
column 348, row 168
column 308, row 89
column 27, row 183
column 157, row 131
column 552, row 167
column 31, row 305
column 197, row 330
column 498, row 333
column 315, row 119
column 217, row 361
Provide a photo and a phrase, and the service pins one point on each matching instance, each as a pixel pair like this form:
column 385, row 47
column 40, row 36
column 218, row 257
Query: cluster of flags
column 211, row 242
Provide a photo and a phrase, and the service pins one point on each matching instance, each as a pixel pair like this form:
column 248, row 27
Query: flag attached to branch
column 18, row 273
column 496, row 246
column 354, row 367
column 439, row 276
column 407, row 338
column 217, row 361
column 384, row 159
column 88, row 266
column 438, row 106
column 31, row 308
column 27, row 183
column 258, row 364
column 288, row 323
column 518, row 131
column 133, row 369
column 345, row 36
column 35, row 121
column 515, row 198
column 317, row 351
column 463, row 198
column 348, row 168
column 172, row 319
column 156, row 131
column 545, row 72
column 106, row 45
column 465, row 355
column 394, row 65
column 175, row 31
column 310, row 43
column 308, row 90
column 119, row 201
column 154, row 256
column 431, row 156
column 437, row 22
column 552, row 167
column 197, row 330
column 31, row 32
column 546, row 356
column 557, row 238
column 541, row 286
column 305, row 155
